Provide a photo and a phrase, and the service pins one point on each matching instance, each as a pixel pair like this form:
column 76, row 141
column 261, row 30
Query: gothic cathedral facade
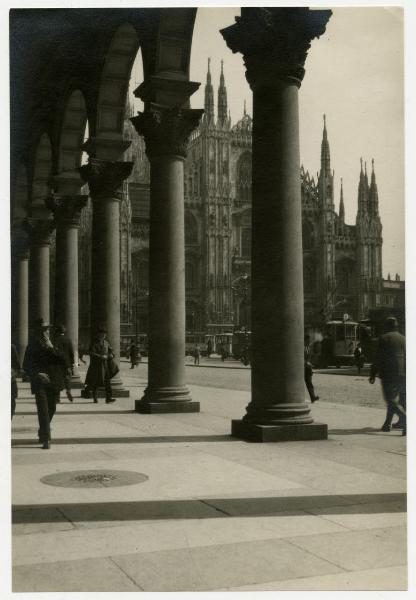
column 342, row 262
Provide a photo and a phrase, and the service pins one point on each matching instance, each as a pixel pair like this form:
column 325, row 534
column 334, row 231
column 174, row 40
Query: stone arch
column 42, row 170
column 115, row 77
column 72, row 133
column 174, row 43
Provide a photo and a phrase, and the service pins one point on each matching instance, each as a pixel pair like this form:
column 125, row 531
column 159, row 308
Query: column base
column 148, row 408
column 166, row 400
column 278, row 433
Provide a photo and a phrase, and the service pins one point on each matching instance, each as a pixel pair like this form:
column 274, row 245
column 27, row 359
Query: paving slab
column 211, row 567
column 386, row 579
column 89, row 575
column 147, row 536
column 384, row 547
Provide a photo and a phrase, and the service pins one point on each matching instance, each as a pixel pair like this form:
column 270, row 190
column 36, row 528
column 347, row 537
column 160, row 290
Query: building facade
column 342, row 262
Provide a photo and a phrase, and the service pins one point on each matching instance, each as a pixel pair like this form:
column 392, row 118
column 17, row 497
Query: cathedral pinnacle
column 373, row 193
column 209, row 97
column 325, row 154
column 341, row 205
column 222, row 98
column 245, row 109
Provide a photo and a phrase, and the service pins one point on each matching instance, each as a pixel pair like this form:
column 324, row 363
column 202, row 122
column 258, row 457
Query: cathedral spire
column 245, row 109
column 341, row 205
column 362, row 189
column 325, row 154
column 209, row 97
column 222, row 98
column 373, row 193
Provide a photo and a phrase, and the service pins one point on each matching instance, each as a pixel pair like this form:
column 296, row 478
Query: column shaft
column 39, row 282
column 105, row 270
column 167, row 280
column 66, row 283
column 166, row 132
column 21, row 297
column 277, row 278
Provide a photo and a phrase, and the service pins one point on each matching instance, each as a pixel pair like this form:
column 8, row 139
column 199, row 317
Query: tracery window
column 246, row 243
column 244, row 179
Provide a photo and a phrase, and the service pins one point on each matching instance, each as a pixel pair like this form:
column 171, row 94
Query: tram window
column 340, row 333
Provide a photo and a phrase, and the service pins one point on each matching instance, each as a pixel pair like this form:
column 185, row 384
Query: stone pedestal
column 166, row 132
column 40, row 231
column 105, row 179
column 274, row 43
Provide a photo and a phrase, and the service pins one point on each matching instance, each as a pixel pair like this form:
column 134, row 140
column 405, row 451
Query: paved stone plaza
column 209, row 512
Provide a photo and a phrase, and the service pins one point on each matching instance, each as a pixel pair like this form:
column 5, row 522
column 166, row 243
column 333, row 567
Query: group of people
column 389, row 365
column 49, row 363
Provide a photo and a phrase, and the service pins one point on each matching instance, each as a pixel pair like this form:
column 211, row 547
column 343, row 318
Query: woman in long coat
column 98, row 374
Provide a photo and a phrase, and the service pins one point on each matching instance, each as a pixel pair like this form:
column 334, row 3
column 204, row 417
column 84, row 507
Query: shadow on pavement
column 207, row 508
column 132, row 440
column 369, row 430
column 84, row 412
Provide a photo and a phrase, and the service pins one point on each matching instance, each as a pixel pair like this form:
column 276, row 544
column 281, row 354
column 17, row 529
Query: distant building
column 342, row 262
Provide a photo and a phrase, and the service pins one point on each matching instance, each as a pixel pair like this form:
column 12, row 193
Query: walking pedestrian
column 15, row 370
column 209, row 347
column 359, row 357
column 64, row 344
column 134, row 354
column 98, row 374
column 390, row 366
column 309, row 370
column 197, row 355
column 45, row 366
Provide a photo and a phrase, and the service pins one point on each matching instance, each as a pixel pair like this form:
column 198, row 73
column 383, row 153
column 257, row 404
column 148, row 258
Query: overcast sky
column 354, row 74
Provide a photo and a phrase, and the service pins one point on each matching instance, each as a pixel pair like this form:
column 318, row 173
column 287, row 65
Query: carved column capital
column 39, row 231
column 275, row 42
column 66, row 209
column 105, row 177
column 166, row 130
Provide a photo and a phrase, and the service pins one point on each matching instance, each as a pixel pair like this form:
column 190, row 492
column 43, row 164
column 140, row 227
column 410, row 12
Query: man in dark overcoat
column 98, row 374
column 390, row 366
column 63, row 343
column 45, row 366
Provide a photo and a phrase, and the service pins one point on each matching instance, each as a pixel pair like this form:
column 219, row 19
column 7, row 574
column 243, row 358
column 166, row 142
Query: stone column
column 20, row 292
column 274, row 43
column 40, row 231
column 166, row 132
column 67, row 213
column 105, row 179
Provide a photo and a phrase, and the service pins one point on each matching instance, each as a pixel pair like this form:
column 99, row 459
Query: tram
column 339, row 343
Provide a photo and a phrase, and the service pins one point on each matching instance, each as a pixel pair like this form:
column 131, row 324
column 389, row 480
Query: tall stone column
column 67, row 213
column 274, row 43
column 166, row 132
column 105, row 178
column 40, row 231
column 20, row 291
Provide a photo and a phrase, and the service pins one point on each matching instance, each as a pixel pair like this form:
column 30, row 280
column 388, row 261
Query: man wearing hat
column 45, row 366
column 390, row 366
column 98, row 374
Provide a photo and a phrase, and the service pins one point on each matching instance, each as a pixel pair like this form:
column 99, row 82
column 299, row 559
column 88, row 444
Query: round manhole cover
column 97, row 478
